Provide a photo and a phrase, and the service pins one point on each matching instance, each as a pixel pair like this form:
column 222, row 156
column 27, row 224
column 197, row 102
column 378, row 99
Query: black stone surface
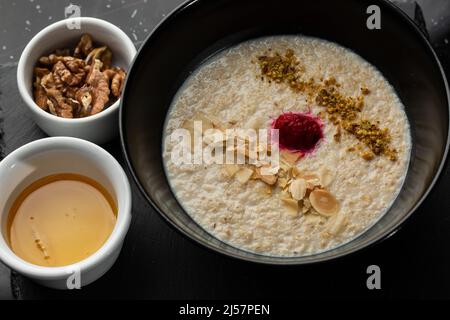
column 158, row 263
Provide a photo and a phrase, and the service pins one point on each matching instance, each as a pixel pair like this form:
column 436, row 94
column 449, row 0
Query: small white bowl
column 48, row 156
column 100, row 127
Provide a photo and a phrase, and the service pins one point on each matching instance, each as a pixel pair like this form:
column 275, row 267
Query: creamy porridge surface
column 229, row 87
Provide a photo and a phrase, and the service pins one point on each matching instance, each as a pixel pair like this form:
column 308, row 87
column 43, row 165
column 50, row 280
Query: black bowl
column 201, row 28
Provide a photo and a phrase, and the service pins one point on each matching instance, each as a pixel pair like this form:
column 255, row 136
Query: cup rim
column 37, row 40
column 114, row 240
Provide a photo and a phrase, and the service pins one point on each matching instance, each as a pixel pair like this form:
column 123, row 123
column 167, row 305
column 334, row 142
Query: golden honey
column 60, row 219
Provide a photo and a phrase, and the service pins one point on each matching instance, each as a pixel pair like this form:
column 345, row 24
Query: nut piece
column 367, row 155
column 99, row 85
column 336, row 224
column 84, row 47
column 56, row 102
column 231, row 169
column 40, row 97
column 282, row 182
column 64, row 75
column 244, row 174
column 298, row 189
column 270, row 179
column 295, row 171
column 290, row 157
column 365, row 91
column 324, row 202
column 116, row 76
column 103, row 54
column 311, row 179
column 291, row 206
column 326, row 177
column 84, row 96
column 118, row 82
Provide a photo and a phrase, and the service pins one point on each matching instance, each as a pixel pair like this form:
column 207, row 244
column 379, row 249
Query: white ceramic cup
column 98, row 128
column 48, row 156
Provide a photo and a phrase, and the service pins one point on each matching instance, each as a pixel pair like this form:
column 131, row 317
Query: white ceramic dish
column 98, row 128
column 64, row 155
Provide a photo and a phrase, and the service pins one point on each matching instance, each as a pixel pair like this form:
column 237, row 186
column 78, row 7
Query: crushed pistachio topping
column 337, row 104
column 376, row 139
column 365, row 91
column 280, row 68
column 285, row 69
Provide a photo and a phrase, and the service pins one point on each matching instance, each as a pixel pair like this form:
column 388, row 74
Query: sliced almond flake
column 313, row 219
column 324, row 202
column 265, row 189
column 325, row 176
column 336, row 224
column 310, row 186
column 284, row 166
column 309, row 176
column 307, row 203
column 297, row 188
column 312, row 180
column 285, row 194
column 282, row 182
column 295, row 171
column 305, row 209
column 291, row 206
column 290, row 157
column 261, row 163
column 270, row 179
column 231, row 169
column 243, row 175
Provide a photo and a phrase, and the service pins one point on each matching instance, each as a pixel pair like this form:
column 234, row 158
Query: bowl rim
column 37, row 39
column 114, row 240
column 275, row 260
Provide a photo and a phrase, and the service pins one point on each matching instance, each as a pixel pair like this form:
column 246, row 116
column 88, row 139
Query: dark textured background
column 156, row 262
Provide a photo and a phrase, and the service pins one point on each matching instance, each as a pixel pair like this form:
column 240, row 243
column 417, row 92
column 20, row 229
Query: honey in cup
column 60, row 219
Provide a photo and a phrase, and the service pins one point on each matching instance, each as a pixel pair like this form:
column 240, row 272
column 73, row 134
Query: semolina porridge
column 343, row 141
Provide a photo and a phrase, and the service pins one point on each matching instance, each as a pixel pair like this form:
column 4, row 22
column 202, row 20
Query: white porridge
column 282, row 216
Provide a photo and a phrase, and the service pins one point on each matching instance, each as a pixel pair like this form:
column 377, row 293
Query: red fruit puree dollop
column 298, row 131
